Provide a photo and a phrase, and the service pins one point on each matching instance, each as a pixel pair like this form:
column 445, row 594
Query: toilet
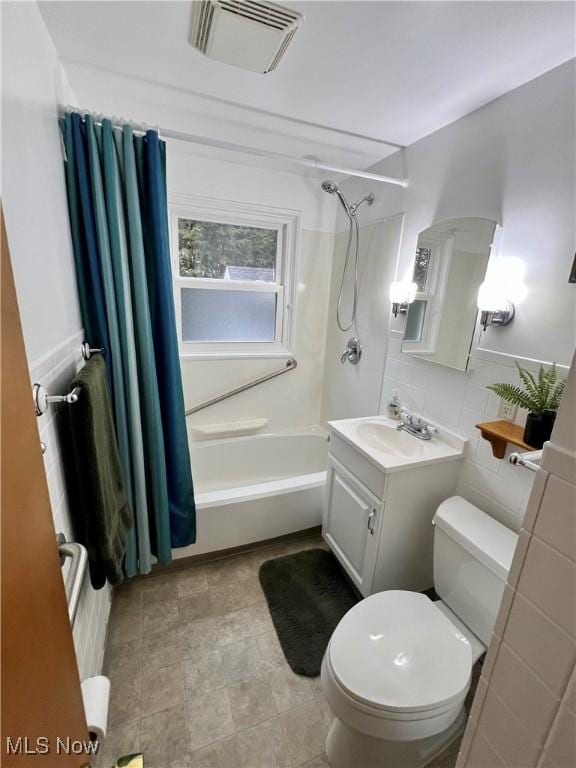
column 398, row 666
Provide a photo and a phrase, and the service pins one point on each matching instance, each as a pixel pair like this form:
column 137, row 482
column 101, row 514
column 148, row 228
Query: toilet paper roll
column 96, row 696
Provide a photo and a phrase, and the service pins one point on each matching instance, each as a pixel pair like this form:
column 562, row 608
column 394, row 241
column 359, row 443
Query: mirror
column 449, row 267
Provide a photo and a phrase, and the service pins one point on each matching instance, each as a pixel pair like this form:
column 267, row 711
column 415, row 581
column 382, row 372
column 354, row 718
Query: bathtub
column 258, row 487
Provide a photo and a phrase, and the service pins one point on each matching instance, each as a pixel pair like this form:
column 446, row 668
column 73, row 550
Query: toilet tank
column 472, row 557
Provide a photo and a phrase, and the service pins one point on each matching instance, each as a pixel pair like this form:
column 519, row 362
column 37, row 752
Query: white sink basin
column 386, row 438
column 378, row 438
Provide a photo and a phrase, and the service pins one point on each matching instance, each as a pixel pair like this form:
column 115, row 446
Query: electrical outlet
column 507, row 410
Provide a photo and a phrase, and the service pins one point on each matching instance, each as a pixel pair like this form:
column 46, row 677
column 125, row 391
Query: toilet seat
column 398, row 655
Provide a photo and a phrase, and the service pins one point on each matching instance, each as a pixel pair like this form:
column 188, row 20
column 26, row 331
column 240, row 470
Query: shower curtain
column 117, row 201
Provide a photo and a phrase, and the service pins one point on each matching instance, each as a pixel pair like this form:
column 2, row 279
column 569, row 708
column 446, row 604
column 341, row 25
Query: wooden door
column 351, row 525
column 41, row 696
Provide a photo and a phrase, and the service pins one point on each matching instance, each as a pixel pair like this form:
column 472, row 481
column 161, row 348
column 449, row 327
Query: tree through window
column 421, row 266
column 218, row 251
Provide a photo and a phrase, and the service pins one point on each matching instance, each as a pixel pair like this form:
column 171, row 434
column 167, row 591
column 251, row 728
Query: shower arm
column 366, row 199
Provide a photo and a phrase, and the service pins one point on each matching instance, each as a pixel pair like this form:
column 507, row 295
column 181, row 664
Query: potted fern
column 539, row 396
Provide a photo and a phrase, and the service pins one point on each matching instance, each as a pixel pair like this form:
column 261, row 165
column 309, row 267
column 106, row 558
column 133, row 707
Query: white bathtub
column 254, row 488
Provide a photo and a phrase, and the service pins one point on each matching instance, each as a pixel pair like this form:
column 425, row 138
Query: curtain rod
column 243, row 149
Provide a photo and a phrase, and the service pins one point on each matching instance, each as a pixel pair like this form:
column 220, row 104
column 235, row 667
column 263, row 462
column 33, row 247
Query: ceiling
column 395, row 71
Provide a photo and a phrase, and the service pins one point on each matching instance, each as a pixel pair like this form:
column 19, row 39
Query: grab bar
column 290, row 365
column 78, row 555
column 528, row 460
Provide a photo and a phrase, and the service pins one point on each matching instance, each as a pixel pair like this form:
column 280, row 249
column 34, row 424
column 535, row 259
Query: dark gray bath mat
column 307, row 595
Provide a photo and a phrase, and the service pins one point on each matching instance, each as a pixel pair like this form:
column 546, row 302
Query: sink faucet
column 416, row 426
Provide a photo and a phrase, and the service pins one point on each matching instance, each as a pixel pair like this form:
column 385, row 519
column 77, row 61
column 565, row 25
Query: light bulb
column 402, row 292
column 490, row 298
column 495, row 308
column 411, row 289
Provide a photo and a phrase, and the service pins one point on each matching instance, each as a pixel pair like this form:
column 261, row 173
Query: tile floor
column 199, row 679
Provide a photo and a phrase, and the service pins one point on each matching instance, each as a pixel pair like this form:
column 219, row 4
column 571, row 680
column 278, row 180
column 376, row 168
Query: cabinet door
column 351, row 523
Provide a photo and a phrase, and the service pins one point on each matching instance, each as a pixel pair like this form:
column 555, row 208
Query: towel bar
column 88, row 351
column 42, row 399
column 528, row 460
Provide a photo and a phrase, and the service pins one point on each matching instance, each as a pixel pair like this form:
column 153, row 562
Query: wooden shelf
column 500, row 433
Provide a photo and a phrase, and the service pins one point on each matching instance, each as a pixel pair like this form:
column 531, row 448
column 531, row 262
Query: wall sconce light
column 401, row 294
column 494, row 308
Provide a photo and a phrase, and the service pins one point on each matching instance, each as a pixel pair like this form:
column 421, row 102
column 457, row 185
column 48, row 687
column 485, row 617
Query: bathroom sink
column 378, row 439
column 385, row 437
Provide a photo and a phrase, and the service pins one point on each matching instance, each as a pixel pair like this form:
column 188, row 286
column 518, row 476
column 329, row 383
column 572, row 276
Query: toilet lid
column 395, row 650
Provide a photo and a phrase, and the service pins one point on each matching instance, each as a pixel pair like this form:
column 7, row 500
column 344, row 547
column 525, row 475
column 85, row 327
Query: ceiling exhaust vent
column 245, row 33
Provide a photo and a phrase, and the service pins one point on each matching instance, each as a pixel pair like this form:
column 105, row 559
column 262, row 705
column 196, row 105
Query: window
column 424, row 275
column 431, row 262
column 415, row 320
column 233, row 271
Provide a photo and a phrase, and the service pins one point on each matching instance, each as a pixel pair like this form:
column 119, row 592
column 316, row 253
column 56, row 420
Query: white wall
column 513, row 162
column 33, row 189
column 34, row 200
column 354, row 390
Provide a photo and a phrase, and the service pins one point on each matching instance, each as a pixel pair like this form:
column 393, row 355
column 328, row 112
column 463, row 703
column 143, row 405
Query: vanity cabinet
column 351, row 521
column 378, row 521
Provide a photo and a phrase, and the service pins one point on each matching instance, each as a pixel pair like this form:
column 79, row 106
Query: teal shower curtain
column 116, row 183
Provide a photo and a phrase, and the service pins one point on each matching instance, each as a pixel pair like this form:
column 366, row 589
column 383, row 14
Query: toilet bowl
column 399, row 665
column 396, row 674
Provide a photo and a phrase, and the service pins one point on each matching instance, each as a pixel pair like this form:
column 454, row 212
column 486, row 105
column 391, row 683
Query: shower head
column 334, row 189
column 330, row 187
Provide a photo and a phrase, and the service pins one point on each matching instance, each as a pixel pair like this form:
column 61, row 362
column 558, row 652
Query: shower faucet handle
column 353, row 351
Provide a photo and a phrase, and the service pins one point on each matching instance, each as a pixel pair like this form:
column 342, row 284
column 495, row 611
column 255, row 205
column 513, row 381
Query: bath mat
column 307, row 594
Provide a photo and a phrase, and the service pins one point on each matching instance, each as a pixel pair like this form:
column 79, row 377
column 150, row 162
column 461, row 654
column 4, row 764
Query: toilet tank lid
column 485, row 538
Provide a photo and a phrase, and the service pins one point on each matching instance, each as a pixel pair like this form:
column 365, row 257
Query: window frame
column 433, row 295
column 286, row 223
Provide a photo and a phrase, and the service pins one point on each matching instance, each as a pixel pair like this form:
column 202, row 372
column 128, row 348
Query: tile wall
column 524, row 713
column 459, row 401
column 55, row 371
